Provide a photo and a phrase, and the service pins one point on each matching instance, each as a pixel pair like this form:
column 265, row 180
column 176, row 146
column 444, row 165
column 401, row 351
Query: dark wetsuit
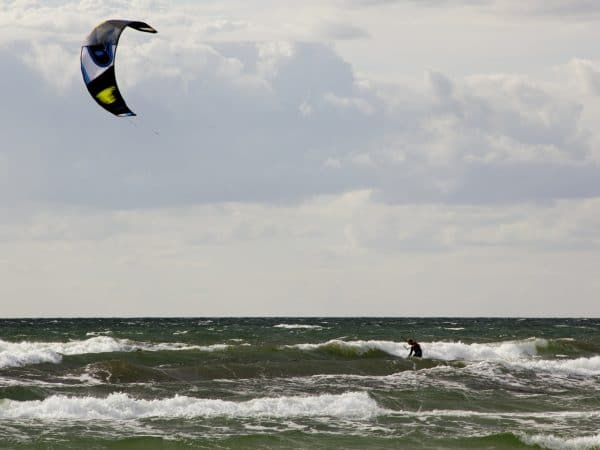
column 416, row 350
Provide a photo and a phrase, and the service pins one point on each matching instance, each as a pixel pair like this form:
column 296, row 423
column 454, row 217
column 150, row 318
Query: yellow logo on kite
column 107, row 96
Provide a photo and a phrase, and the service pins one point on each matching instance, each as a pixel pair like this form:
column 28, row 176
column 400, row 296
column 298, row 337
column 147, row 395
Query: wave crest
column 293, row 326
column 122, row 406
column 446, row 351
column 524, row 354
column 17, row 354
column 558, row 443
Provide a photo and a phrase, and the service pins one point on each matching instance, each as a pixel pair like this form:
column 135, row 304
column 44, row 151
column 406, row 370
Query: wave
column 578, row 366
column 495, row 351
column 559, row 443
column 524, row 354
column 447, row 351
column 17, row 354
column 544, row 415
column 122, row 406
column 355, row 348
column 98, row 333
column 120, row 371
column 292, row 326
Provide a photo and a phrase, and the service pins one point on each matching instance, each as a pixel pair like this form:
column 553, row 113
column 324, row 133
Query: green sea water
column 299, row 383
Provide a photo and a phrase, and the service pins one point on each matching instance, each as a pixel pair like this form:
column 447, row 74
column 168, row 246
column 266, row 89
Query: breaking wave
column 578, row 366
column 495, row 351
column 522, row 354
column 355, row 348
column 447, row 351
column 122, row 406
column 293, row 326
column 558, row 443
column 16, row 354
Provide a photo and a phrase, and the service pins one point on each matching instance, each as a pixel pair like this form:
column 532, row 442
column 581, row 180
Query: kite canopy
column 98, row 64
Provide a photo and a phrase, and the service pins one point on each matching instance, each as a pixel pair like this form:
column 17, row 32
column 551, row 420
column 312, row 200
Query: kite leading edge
column 98, row 64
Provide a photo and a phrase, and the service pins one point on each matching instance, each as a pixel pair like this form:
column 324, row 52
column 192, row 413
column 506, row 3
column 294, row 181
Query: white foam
column 558, row 443
column 23, row 353
column 175, row 346
column 85, row 378
column 4, row 382
column 122, row 406
column 293, row 326
column 494, row 351
column 98, row 333
column 579, row 366
column 548, row 415
column 16, row 354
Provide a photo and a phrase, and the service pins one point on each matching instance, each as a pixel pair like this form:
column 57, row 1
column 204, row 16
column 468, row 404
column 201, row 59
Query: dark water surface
column 299, row 383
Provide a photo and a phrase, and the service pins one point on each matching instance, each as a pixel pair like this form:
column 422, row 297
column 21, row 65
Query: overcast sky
column 330, row 157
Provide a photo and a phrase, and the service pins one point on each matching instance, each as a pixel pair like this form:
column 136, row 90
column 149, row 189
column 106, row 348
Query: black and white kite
column 98, row 64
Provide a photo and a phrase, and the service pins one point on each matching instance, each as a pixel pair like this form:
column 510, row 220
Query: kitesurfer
column 415, row 349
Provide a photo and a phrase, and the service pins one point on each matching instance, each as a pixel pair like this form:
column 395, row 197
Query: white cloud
column 305, row 109
column 349, row 102
column 55, row 62
column 224, row 26
column 271, row 55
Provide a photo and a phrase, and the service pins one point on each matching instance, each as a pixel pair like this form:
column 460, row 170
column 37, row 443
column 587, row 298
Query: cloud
column 340, row 31
column 345, row 252
column 358, row 104
column 586, row 74
column 532, row 6
column 275, row 157
column 280, row 122
column 583, row 9
column 350, row 223
column 228, row 113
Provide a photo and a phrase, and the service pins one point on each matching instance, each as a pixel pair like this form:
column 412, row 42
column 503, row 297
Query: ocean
column 306, row 383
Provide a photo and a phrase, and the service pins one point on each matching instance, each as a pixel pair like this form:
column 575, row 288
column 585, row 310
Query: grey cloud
column 367, row 3
column 421, row 3
column 341, row 31
column 418, row 3
column 562, row 9
column 217, row 141
column 441, row 86
column 226, row 130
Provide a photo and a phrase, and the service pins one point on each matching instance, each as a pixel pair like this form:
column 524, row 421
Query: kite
column 98, row 64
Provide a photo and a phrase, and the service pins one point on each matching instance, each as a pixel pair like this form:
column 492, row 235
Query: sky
column 314, row 158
